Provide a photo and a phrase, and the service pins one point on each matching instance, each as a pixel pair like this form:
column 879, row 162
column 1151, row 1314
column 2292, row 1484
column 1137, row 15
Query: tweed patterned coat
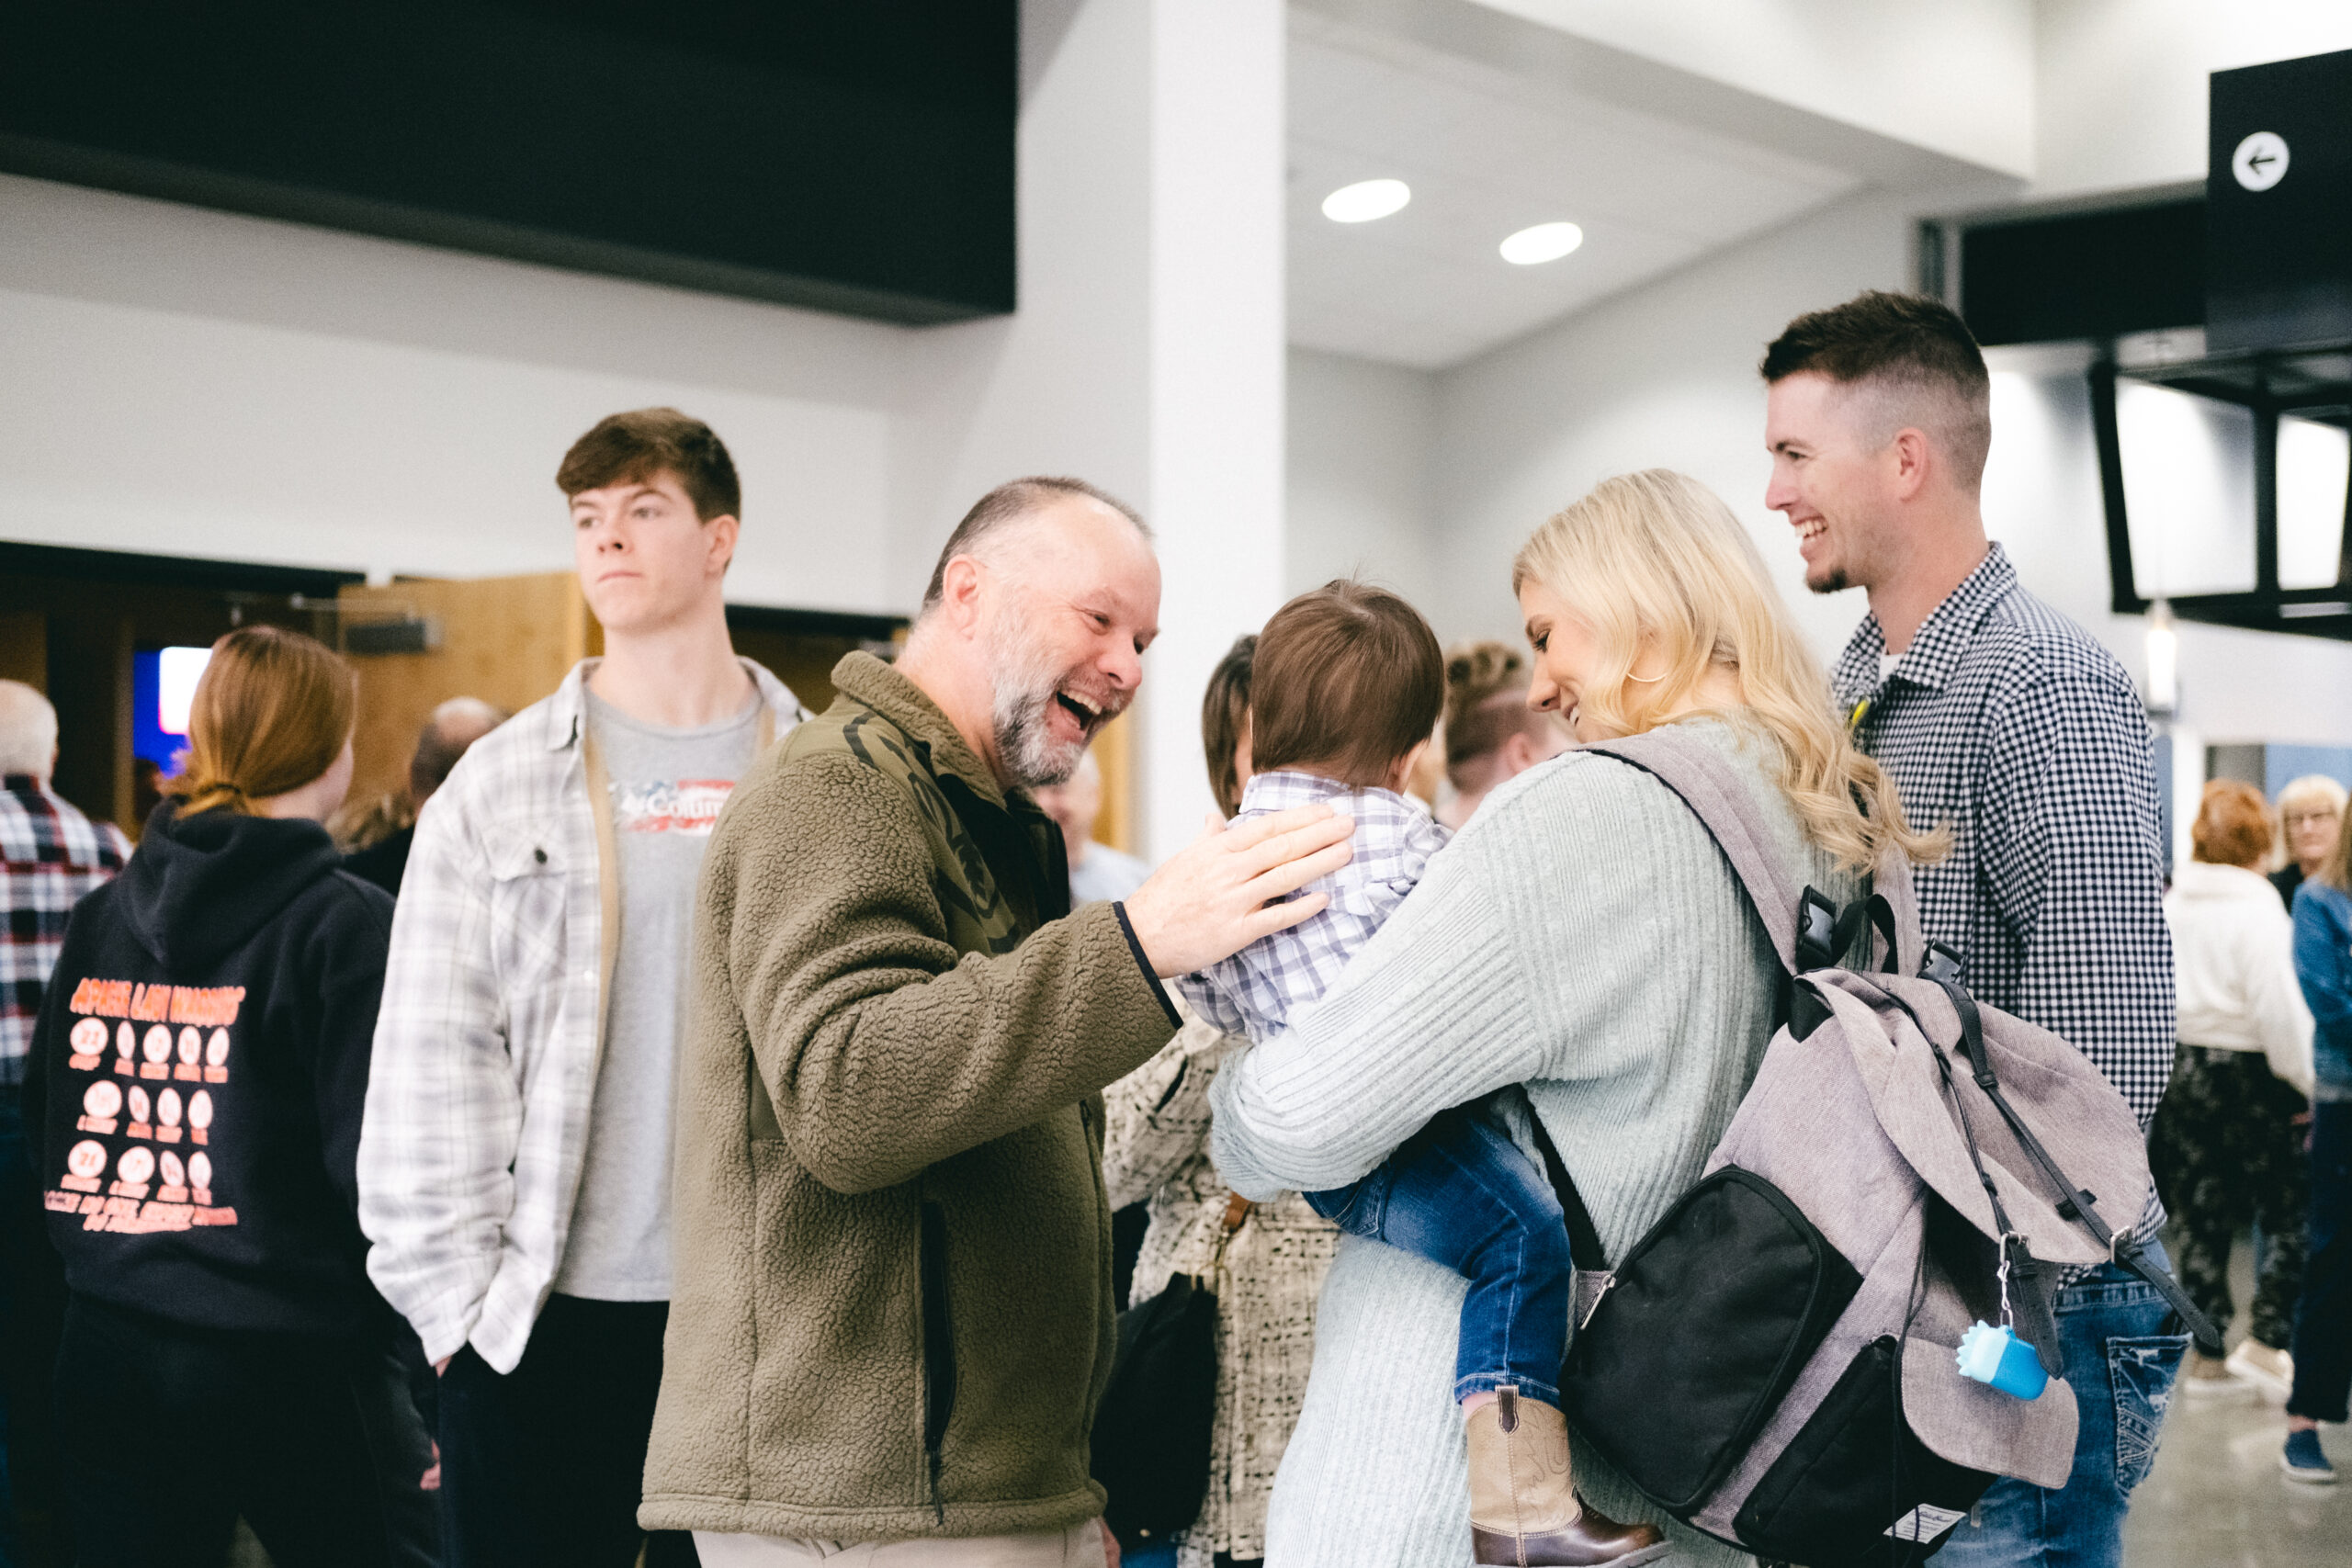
column 1156, row 1148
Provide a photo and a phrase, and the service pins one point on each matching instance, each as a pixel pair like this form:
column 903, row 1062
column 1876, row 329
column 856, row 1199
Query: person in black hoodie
column 198, row 1075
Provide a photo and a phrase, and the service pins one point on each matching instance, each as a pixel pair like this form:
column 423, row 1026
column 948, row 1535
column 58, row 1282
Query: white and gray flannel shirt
column 1254, row 991
column 2005, row 720
column 488, row 1037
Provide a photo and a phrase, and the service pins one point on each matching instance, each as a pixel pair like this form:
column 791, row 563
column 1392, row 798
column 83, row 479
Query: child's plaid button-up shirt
column 1253, row 992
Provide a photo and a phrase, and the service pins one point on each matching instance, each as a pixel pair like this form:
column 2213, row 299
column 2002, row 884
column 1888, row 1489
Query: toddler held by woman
column 1346, row 687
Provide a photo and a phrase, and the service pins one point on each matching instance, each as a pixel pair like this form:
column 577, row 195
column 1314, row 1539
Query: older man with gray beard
column 891, row 1315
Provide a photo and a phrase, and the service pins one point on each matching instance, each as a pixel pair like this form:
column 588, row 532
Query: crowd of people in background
column 687, row 1127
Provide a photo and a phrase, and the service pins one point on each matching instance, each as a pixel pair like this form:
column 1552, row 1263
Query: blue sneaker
column 2303, row 1461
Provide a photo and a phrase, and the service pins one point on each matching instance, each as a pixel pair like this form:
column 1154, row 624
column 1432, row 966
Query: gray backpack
column 1776, row 1362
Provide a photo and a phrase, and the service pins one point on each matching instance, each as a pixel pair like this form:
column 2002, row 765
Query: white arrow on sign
column 2261, row 161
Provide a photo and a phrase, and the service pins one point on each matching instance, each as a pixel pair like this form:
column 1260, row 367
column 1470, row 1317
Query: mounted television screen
column 2315, row 494
column 163, row 686
column 2187, row 489
column 2059, row 276
column 852, row 155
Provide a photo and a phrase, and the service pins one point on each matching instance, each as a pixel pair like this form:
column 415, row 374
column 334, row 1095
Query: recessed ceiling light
column 1365, row 201
column 1545, row 242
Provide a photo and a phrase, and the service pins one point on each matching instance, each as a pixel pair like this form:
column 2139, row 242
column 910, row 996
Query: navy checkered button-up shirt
column 2005, row 720
column 1253, row 992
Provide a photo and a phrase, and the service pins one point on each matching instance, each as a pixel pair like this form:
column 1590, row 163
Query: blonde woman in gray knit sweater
column 1582, row 936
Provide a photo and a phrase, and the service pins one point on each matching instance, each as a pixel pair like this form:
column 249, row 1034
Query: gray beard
column 1029, row 753
column 1020, row 716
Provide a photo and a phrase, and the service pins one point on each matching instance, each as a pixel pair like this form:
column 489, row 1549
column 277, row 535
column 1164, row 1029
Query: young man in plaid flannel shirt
column 514, row 1165
column 2003, row 719
column 50, row 856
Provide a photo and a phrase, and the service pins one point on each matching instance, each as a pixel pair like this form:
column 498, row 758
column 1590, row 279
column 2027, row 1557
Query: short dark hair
column 632, row 447
column 1348, row 678
column 1905, row 343
column 1008, row 502
column 1225, row 708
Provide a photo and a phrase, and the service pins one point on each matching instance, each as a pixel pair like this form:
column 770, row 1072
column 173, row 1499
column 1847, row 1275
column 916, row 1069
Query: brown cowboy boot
column 1524, row 1512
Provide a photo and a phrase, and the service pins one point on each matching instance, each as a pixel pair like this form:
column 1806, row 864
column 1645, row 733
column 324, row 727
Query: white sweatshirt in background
column 2234, row 953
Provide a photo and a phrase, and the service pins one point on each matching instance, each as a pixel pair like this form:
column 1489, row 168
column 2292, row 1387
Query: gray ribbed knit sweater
column 1583, row 936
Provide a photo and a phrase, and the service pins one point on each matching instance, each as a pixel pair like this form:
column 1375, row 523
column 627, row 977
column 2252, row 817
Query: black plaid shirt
column 50, row 856
column 2007, row 721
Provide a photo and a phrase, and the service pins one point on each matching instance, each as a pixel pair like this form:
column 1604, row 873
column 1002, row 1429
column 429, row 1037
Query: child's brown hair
column 1348, row 679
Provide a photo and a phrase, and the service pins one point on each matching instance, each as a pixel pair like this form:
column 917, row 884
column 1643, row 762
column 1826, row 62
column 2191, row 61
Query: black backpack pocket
column 1855, row 1488
column 1703, row 1327
column 1153, row 1429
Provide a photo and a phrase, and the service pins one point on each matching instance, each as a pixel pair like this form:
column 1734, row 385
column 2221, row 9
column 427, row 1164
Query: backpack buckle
column 1817, row 930
column 1941, row 964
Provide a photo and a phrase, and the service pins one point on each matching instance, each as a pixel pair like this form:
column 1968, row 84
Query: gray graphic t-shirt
column 667, row 787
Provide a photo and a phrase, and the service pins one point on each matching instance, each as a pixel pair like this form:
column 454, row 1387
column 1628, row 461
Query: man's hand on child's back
column 1217, row 895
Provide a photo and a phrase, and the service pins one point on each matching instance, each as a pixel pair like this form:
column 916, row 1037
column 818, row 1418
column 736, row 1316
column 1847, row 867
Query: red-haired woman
column 199, row 1072
column 2227, row 1146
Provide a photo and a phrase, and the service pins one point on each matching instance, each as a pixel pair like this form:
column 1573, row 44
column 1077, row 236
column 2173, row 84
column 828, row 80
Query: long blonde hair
column 271, row 712
column 1654, row 562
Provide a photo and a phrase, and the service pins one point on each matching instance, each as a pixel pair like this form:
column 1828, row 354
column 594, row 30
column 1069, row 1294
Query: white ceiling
column 1487, row 153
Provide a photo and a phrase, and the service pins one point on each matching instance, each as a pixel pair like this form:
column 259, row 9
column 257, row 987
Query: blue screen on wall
column 147, row 738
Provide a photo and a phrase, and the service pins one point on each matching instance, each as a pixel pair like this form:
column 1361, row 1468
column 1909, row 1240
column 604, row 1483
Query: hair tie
column 210, row 797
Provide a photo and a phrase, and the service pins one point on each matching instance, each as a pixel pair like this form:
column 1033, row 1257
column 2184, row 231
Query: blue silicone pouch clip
column 1997, row 1357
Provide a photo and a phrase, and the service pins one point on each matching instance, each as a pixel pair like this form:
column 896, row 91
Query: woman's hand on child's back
column 1217, row 895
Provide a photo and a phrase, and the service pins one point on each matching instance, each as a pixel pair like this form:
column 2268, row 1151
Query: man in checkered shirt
column 2002, row 718
column 1345, row 688
column 50, row 856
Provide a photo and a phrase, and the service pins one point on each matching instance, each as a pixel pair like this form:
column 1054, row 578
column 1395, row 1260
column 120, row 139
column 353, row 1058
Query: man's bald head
column 1033, row 632
column 455, row 725
column 997, row 516
column 28, row 731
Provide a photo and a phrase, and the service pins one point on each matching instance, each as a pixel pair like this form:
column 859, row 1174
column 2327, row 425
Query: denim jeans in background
column 1461, row 1194
column 1162, row 1555
column 2121, row 1357
column 2323, row 1316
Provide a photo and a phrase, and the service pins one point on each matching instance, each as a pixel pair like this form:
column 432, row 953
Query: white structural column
column 1146, row 352
column 1217, row 365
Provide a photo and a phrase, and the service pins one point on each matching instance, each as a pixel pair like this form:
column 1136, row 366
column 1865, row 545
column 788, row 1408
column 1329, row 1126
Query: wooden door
column 1114, row 753
column 508, row 640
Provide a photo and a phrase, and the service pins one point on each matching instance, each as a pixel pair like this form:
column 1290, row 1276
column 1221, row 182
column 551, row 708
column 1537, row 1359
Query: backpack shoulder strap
column 1585, row 1252
column 1892, row 883
column 1719, row 796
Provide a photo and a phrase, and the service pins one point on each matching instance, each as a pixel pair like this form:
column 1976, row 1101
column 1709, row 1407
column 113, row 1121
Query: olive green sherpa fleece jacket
column 891, row 1315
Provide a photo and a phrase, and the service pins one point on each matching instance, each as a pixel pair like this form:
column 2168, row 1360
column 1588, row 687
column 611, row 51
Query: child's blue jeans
column 1461, row 1194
